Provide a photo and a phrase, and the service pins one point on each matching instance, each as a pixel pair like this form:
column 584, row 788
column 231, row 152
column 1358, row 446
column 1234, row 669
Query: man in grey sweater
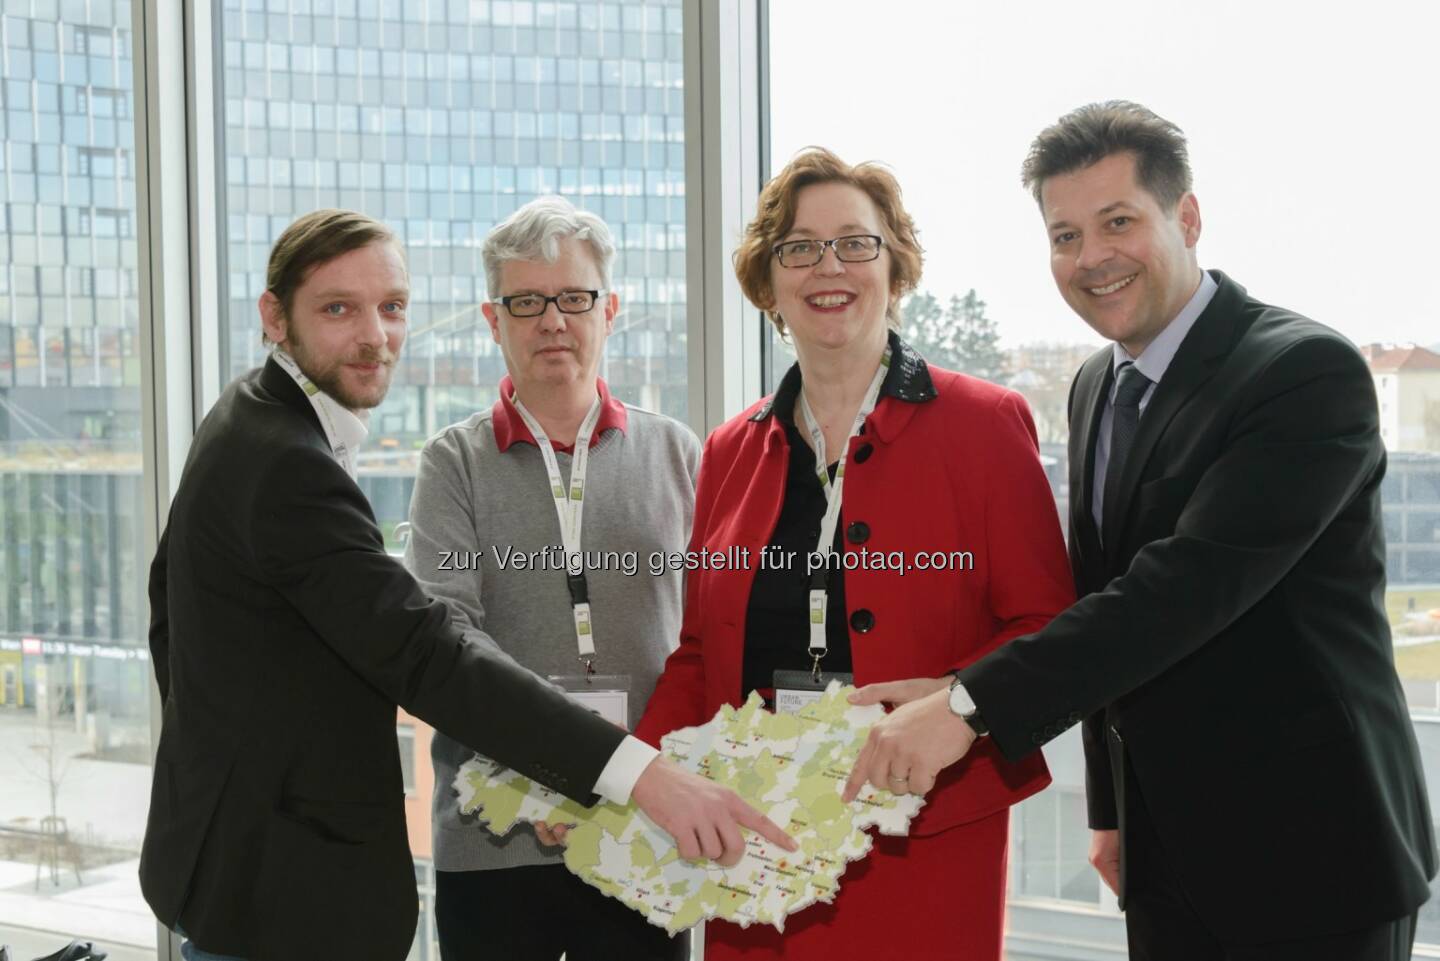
column 539, row 522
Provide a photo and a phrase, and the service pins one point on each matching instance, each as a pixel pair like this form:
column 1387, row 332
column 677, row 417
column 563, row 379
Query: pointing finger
column 763, row 826
column 857, row 774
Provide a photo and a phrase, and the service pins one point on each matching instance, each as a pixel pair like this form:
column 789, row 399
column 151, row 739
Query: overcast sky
column 1313, row 137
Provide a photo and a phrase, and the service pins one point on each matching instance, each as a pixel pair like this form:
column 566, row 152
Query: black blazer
column 283, row 637
column 1230, row 642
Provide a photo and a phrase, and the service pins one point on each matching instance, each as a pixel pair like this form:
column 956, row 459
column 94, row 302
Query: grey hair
column 534, row 232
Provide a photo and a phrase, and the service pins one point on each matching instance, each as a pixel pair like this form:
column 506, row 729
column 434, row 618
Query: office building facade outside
column 439, row 118
column 71, row 611
column 441, row 122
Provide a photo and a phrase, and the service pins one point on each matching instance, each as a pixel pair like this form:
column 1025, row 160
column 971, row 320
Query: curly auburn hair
column 775, row 216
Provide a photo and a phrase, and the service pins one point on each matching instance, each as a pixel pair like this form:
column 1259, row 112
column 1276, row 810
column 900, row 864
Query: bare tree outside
column 959, row 336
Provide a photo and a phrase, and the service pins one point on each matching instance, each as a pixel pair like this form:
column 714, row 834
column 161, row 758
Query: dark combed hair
column 1089, row 134
column 315, row 239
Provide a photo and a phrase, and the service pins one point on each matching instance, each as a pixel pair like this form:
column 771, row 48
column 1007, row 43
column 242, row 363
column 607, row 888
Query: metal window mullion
column 35, row 624
column 722, row 182
column 205, row 152
column 165, row 262
column 114, row 629
column 10, row 510
column 1058, row 846
column 90, row 579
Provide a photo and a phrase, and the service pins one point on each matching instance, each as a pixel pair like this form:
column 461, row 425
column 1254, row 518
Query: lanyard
column 322, row 402
column 833, row 492
column 570, row 509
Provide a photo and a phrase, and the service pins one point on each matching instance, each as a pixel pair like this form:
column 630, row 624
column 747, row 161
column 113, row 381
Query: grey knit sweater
column 475, row 508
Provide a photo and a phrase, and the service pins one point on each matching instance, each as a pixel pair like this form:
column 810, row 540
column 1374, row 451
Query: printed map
column 792, row 767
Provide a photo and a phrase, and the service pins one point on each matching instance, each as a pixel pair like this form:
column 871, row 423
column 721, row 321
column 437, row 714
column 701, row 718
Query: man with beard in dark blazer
column 283, row 637
column 1253, row 777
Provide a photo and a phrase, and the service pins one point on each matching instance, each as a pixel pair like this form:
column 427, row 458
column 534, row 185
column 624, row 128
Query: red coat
column 952, row 468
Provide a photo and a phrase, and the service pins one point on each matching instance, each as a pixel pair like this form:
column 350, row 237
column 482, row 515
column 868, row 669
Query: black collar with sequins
column 908, row 380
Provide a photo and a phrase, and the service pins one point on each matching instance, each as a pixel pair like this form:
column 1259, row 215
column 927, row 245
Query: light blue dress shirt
column 1152, row 362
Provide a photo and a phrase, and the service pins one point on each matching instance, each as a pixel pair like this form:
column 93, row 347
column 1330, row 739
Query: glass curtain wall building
column 69, row 371
column 439, row 117
column 74, row 668
column 442, row 118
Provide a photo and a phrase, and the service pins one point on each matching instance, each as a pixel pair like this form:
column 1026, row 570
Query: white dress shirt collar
column 352, row 426
column 345, row 430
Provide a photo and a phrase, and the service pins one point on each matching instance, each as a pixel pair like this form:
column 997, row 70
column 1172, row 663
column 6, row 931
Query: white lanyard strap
column 338, row 448
column 833, row 494
column 570, row 509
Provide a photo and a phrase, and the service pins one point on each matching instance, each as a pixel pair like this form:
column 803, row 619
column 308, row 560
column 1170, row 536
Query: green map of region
column 791, row 767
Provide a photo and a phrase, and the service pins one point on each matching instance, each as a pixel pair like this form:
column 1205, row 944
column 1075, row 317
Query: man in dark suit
column 283, row 637
column 1254, row 782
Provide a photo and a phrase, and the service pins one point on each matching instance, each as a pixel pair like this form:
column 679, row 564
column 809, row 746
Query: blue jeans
column 191, row 952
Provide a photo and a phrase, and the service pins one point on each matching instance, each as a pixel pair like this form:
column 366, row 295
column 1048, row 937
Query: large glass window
column 441, row 124
column 442, row 129
column 74, row 666
column 1295, row 128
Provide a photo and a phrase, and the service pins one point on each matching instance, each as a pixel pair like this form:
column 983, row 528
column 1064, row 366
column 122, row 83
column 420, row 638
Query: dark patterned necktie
column 1124, row 424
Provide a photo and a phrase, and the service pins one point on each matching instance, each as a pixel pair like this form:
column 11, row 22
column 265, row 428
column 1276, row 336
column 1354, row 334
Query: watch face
column 960, row 701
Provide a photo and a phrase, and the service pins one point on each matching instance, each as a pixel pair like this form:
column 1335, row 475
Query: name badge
column 607, row 695
column 795, row 689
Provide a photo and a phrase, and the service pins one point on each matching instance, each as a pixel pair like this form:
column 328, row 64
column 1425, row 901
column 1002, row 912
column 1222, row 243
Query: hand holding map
column 791, row 767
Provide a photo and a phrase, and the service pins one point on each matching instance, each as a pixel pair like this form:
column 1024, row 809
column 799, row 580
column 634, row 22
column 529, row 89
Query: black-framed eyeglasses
column 854, row 249
column 567, row 302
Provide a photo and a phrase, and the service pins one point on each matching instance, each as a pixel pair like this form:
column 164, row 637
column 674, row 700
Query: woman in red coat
column 947, row 536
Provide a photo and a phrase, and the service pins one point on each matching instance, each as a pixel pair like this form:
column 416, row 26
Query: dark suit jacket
column 283, row 637
column 1231, row 643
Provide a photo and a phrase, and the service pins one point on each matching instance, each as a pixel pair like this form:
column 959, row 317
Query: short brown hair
column 315, row 239
column 755, row 257
column 1087, row 135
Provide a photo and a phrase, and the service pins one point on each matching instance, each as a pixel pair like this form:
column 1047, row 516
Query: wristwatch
column 962, row 705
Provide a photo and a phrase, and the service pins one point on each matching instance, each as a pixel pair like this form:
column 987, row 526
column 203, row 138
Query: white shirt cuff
column 623, row 769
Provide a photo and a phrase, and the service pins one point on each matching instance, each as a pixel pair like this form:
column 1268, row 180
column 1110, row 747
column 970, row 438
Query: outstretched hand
column 703, row 817
column 907, row 749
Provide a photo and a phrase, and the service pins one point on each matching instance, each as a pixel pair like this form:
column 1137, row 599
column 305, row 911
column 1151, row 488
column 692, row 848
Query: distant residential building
column 1411, row 498
column 1043, row 372
column 1407, row 386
